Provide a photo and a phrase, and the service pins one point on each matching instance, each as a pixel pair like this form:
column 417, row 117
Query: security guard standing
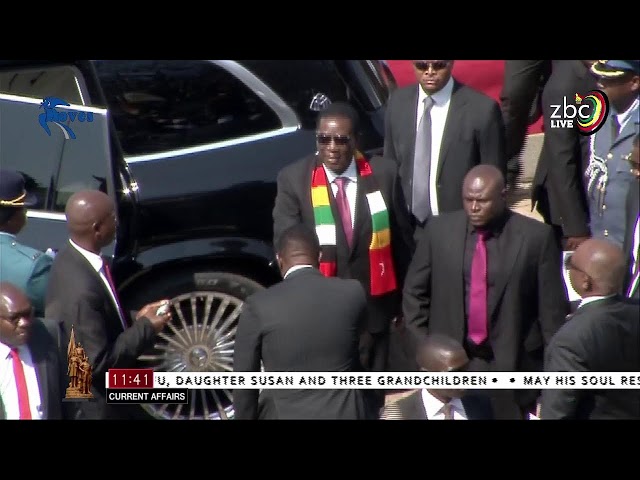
column 608, row 176
column 23, row 266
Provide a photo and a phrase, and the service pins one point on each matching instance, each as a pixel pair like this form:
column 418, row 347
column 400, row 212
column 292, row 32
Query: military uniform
column 23, row 266
column 608, row 176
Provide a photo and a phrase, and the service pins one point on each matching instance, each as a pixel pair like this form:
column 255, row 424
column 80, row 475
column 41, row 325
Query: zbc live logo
column 589, row 112
column 61, row 119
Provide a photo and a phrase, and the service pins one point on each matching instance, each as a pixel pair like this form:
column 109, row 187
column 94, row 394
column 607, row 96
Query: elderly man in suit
column 632, row 232
column 30, row 372
column 436, row 132
column 439, row 353
column 21, row 265
column 357, row 209
column 608, row 175
column 305, row 323
column 82, row 295
column 602, row 336
column 492, row 280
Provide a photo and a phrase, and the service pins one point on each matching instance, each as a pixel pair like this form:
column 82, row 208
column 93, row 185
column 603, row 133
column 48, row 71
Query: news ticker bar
column 390, row 380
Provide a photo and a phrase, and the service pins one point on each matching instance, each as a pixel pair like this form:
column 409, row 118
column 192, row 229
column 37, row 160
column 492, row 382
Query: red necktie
column 21, row 384
column 107, row 273
column 478, row 292
column 343, row 208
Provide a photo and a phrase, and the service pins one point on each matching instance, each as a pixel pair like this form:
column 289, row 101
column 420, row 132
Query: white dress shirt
column 351, row 189
column 9, row 389
column 439, row 113
column 294, row 269
column 635, row 275
column 435, row 408
column 97, row 264
column 595, row 298
column 625, row 116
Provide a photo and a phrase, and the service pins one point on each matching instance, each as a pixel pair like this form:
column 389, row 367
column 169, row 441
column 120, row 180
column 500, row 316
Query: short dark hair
column 300, row 237
column 343, row 110
column 6, row 213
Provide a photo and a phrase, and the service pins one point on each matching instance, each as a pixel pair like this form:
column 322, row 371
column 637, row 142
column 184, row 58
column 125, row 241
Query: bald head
column 483, row 194
column 15, row 315
column 91, row 219
column 439, row 353
column 603, row 262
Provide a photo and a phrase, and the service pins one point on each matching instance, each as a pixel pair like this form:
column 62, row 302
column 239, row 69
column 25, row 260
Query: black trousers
column 374, row 357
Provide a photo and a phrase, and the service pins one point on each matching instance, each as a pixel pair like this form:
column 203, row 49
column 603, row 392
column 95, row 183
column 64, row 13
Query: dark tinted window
column 160, row 105
column 297, row 82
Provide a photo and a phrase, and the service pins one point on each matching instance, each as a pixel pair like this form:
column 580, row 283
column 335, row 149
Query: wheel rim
column 199, row 338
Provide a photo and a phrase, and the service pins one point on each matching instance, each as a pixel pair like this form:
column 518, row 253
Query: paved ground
column 519, row 201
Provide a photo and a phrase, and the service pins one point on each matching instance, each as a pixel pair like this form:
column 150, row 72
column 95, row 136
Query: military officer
column 608, row 176
column 23, row 266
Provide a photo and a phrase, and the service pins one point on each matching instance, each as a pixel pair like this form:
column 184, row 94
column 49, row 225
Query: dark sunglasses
column 420, row 65
column 324, row 139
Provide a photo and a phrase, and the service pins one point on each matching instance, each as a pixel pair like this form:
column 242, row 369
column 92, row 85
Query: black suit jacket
column 77, row 297
column 633, row 208
column 473, row 134
column 412, row 408
column 306, row 323
column 44, row 354
column 528, row 303
column 293, row 205
column 602, row 336
column 558, row 183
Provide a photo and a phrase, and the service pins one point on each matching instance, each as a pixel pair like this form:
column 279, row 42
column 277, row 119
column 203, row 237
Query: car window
column 64, row 81
column 299, row 82
column 160, row 105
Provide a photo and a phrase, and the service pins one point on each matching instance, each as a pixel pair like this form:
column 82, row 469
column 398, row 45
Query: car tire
column 205, row 345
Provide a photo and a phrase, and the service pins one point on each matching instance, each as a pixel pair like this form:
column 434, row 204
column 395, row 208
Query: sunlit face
column 336, row 143
column 432, row 75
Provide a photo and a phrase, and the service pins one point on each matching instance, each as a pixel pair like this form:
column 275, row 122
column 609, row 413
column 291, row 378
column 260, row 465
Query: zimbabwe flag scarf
column 382, row 272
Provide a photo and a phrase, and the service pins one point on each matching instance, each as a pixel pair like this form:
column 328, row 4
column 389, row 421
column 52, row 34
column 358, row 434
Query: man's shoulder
column 479, row 99
column 298, row 167
column 383, row 166
column 531, row 225
column 24, row 252
column 403, row 93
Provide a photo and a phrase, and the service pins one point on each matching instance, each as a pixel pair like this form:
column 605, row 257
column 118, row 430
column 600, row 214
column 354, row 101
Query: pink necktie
column 107, row 273
column 21, row 385
column 478, row 292
column 343, row 208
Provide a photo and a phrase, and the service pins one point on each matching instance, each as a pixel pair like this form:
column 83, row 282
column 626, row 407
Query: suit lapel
column 415, row 407
column 628, row 130
column 362, row 229
column 509, row 245
column 456, row 241
column 409, row 119
column 38, row 355
column 452, row 125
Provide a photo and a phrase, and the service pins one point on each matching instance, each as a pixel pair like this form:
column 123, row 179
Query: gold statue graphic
column 79, row 371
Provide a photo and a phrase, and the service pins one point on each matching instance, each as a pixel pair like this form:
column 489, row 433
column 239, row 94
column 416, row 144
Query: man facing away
column 492, row 280
column 603, row 335
column 439, row 353
column 306, row 323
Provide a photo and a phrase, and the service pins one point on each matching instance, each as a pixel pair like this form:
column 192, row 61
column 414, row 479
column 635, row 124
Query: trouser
column 374, row 356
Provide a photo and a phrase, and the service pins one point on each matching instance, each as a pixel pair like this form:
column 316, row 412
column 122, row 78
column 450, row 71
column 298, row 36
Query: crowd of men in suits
column 417, row 242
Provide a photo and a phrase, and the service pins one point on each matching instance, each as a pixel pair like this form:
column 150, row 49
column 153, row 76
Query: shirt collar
column 622, row 117
column 295, row 268
column 5, row 350
column 441, row 97
column 95, row 260
column 351, row 173
column 595, row 298
column 434, row 406
column 495, row 227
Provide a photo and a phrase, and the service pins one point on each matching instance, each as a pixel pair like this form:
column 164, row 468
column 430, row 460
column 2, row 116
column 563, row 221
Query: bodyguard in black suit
column 81, row 295
column 459, row 129
column 439, row 353
column 27, row 351
column 602, row 336
column 491, row 279
column 306, row 323
column 362, row 224
column 558, row 185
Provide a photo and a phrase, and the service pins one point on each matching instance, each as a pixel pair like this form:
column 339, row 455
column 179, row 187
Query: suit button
column 606, row 233
column 609, row 156
column 604, row 207
column 13, row 244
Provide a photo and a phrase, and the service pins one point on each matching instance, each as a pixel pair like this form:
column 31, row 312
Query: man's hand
column 574, row 242
column 157, row 321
